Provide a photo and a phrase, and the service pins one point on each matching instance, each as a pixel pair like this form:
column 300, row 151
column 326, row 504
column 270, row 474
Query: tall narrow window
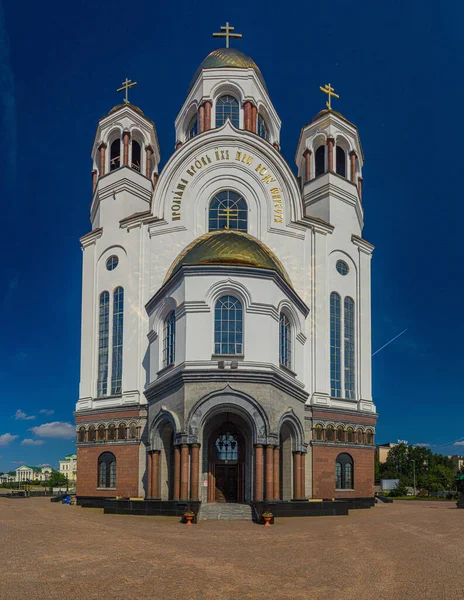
column 344, row 472
column 228, row 210
column 228, row 326
column 103, row 333
column 101, row 433
column 136, row 156
column 262, row 128
column 169, row 339
column 335, row 345
column 349, row 347
column 319, row 158
column 107, row 470
column 192, row 130
column 122, row 431
column 118, row 322
column 227, row 108
column 285, row 342
column 81, row 435
column 111, row 431
column 341, row 161
column 115, row 155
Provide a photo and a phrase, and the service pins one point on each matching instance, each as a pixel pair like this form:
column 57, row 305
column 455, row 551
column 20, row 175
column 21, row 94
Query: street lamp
column 414, row 474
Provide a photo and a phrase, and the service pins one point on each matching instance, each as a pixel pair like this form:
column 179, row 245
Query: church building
column 226, row 304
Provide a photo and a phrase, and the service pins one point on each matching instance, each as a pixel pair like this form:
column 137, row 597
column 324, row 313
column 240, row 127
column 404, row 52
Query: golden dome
column 228, row 58
column 228, row 247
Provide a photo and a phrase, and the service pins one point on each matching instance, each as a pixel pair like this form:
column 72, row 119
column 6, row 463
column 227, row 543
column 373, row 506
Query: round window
column 342, row 267
column 112, row 263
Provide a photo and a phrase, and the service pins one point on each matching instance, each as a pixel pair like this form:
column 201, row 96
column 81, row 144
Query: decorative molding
column 363, row 245
column 91, row 238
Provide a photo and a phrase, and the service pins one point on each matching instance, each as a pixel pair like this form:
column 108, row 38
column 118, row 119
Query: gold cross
column 226, row 31
column 228, row 213
column 125, row 86
column 327, row 89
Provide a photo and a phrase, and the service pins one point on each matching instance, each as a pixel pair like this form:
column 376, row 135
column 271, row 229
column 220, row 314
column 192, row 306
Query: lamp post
column 414, row 474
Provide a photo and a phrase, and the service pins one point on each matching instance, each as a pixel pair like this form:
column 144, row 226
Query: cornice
column 90, row 238
column 341, row 411
column 318, row 225
column 363, row 245
column 118, row 408
column 342, row 445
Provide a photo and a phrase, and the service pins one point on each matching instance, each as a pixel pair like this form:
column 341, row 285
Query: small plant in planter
column 267, row 516
column 189, row 514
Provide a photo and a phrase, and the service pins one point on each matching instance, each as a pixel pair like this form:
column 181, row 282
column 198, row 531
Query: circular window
column 342, row 267
column 112, row 263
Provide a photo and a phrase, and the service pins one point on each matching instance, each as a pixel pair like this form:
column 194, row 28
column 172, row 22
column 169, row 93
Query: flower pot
column 267, row 519
column 188, row 518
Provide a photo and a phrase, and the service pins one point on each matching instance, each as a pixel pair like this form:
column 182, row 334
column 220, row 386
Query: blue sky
column 398, row 71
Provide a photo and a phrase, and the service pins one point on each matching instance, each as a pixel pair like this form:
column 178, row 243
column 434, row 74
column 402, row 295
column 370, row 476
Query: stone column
column 125, row 154
column 303, row 476
column 254, row 119
column 330, row 149
column 102, row 148
column 201, row 119
column 178, row 145
column 276, row 473
column 258, row 472
column 360, row 188
column 208, row 106
column 150, row 474
column 307, row 156
column 247, row 115
column 176, row 490
column 149, row 156
column 269, row 472
column 94, row 180
column 296, row 475
column 195, row 472
column 155, row 474
column 184, row 469
column 155, row 180
column 353, row 158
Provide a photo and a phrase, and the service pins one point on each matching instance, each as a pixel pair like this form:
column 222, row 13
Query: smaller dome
column 228, row 58
column 228, row 247
column 129, row 105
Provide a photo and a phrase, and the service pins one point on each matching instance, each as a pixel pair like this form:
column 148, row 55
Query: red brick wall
column 328, row 415
column 127, row 470
column 324, row 472
column 117, row 414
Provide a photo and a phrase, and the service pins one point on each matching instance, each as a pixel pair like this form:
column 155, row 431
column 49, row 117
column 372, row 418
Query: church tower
column 226, row 306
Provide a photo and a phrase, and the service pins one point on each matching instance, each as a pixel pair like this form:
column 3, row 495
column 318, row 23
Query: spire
column 227, row 32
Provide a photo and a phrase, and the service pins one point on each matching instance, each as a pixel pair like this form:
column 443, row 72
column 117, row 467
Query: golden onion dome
column 228, row 247
column 228, row 58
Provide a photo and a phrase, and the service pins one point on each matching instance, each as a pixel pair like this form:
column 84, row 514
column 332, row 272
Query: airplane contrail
column 392, row 340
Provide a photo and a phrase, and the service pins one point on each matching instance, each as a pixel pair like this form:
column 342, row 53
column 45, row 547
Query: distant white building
column 26, row 473
column 5, row 478
column 68, row 467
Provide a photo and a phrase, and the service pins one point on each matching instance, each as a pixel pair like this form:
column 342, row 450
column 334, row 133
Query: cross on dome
column 125, row 86
column 327, row 89
column 227, row 32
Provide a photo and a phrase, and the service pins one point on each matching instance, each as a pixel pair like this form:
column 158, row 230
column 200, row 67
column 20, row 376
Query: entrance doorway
column 226, row 464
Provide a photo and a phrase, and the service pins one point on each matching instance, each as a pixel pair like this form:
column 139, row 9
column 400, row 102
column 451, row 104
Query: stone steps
column 222, row 511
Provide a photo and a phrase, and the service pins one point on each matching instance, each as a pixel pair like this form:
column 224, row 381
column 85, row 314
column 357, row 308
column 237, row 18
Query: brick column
column 94, row 180
column 254, row 118
column 149, row 156
column 150, row 474
column 247, row 115
column 176, row 490
column 353, row 158
column 276, row 473
column 125, row 154
column 303, row 476
column 201, row 119
column 296, row 475
column 208, row 106
column 184, row 470
column 102, row 148
column 269, row 472
column 360, row 188
column 258, row 472
column 330, row 148
column 307, row 156
column 155, row 493
column 195, row 472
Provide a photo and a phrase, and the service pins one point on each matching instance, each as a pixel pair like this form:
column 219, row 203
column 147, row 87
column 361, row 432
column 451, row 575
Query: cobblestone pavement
column 390, row 552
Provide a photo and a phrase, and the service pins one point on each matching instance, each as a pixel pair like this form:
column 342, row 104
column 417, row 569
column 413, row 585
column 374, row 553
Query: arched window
column 103, row 333
column 192, row 129
column 81, row 434
column 92, row 434
column 107, row 470
column 136, row 156
column 118, row 322
column 228, row 326
column 350, row 435
column 285, row 341
column 341, row 161
column 227, row 443
column 319, row 159
column 335, row 345
column 169, row 339
column 329, row 433
column 115, row 155
column 111, row 432
column 228, row 210
column 340, row 434
column 360, row 436
column 344, row 472
column 122, row 431
column 369, row 437
column 227, row 108
column 132, row 431
column 101, row 433
column 349, row 347
column 262, row 128
column 318, row 433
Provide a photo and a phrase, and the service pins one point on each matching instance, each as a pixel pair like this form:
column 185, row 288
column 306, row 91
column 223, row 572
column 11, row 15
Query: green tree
column 56, row 479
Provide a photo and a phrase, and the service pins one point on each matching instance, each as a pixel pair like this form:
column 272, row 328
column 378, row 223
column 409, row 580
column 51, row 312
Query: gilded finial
column 227, row 32
column 327, row 89
column 125, row 86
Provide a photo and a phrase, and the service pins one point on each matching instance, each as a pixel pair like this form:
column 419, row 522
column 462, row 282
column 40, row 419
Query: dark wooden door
column 226, row 483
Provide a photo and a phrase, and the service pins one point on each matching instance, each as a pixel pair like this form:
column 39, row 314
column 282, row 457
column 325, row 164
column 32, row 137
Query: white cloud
column 55, row 429
column 423, row 445
column 29, row 442
column 44, row 465
column 22, row 416
column 6, row 438
column 461, row 443
column 44, row 411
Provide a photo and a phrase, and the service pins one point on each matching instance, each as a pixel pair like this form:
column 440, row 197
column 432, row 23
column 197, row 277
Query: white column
column 89, row 321
column 363, row 317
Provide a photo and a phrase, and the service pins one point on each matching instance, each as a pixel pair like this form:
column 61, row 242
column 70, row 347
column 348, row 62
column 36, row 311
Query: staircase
column 222, row 511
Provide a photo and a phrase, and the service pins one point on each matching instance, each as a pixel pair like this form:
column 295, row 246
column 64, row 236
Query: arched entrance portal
column 227, row 462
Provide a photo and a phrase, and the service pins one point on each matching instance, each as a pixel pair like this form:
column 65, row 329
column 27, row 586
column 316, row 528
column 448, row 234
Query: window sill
column 345, row 490
column 227, row 357
column 165, row 369
column 287, row 370
column 104, row 489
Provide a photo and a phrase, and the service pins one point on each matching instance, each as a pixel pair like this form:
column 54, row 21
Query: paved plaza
column 401, row 550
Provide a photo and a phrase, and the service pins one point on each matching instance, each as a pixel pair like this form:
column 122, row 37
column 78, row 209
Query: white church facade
column 226, row 320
